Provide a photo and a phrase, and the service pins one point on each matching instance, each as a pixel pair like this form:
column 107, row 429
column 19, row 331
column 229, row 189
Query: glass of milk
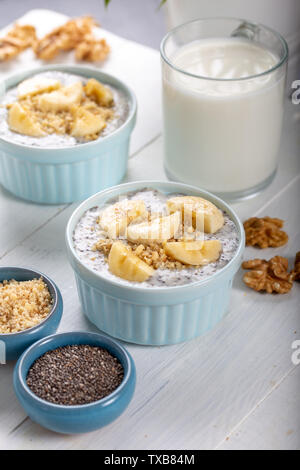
column 223, row 91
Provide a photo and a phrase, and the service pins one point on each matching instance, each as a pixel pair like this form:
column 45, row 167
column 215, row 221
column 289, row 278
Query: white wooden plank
column 126, row 61
column 18, row 219
column 275, row 423
column 190, row 395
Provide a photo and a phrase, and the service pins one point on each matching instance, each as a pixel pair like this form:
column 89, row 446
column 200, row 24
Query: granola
column 265, row 232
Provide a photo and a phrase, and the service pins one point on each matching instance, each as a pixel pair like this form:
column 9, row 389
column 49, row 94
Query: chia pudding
column 120, row 110
column 92, row 245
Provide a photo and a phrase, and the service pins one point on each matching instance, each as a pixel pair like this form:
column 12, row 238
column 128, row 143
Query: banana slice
column 199, row 212
column 62, row 99
column 35, row 85
column 20, row 120
column 123, row 263
column 85, row 123
column 99, row 93
column 117, row 217
column 194, row 253
column 159, row 229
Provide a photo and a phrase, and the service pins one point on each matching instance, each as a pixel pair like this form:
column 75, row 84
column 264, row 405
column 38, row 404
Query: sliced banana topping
column 123, row 263
column 115, row 219
column 62, row 99
column 196, row 211
column 99, row 93
column 194, row 253
column 20, row 120
column 85, row 123
column 159, row 229
column 35, row 85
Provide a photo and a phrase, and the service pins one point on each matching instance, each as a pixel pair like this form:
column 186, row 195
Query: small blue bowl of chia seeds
column 75, row 382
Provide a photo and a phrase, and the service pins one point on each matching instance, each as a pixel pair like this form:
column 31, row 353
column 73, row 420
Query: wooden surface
column 236, row 387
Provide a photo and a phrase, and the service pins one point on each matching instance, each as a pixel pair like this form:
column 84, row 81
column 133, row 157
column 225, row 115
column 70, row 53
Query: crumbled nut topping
column 265, row 232
column 62, row 121
column 153, row 253
column 270, row 276
column 23, row 304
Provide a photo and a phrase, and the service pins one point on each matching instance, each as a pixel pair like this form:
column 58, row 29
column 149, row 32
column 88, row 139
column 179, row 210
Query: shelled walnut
column 265, row 232
column 19, row 38
column 270, row 276
column 92, row 49
column 75, row 34
column 64, row 38
column 296, row 270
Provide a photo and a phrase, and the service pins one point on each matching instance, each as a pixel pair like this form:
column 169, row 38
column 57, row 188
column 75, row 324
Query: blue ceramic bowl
column 13, row 344
column 68, row 174
column 80, row 418
column 153, row 315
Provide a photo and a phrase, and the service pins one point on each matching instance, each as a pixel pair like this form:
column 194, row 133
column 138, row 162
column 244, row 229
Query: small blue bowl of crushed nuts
column 31, row 308
column 75, row 382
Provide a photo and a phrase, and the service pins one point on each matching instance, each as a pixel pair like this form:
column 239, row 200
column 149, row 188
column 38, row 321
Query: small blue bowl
column 56, row 175
column 80, row 418
column 13, row 344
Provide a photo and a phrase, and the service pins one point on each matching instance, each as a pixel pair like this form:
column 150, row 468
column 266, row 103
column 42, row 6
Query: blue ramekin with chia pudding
column 64, row 132
column 158, row 289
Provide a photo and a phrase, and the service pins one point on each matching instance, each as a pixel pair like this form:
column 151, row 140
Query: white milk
column 222, row 135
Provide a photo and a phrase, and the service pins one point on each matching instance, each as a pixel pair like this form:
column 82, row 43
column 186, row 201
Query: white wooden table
column 236, row 387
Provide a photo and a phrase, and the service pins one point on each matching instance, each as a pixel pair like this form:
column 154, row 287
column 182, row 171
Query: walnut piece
column 296, row 270
column 17, row 40
column 270, row 276
column 265, row 232
column 153, row 253
column 75, row 34
column 92, row 49
column 64, row 38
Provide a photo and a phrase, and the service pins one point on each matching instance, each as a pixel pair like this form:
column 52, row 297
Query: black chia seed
column 75, row 375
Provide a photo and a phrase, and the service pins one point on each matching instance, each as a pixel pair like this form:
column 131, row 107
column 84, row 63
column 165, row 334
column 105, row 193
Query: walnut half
column 19, row 38
column 64, row 38
column 92, row 49
column 265, row 232
column 296, row 270
column 269, row 276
